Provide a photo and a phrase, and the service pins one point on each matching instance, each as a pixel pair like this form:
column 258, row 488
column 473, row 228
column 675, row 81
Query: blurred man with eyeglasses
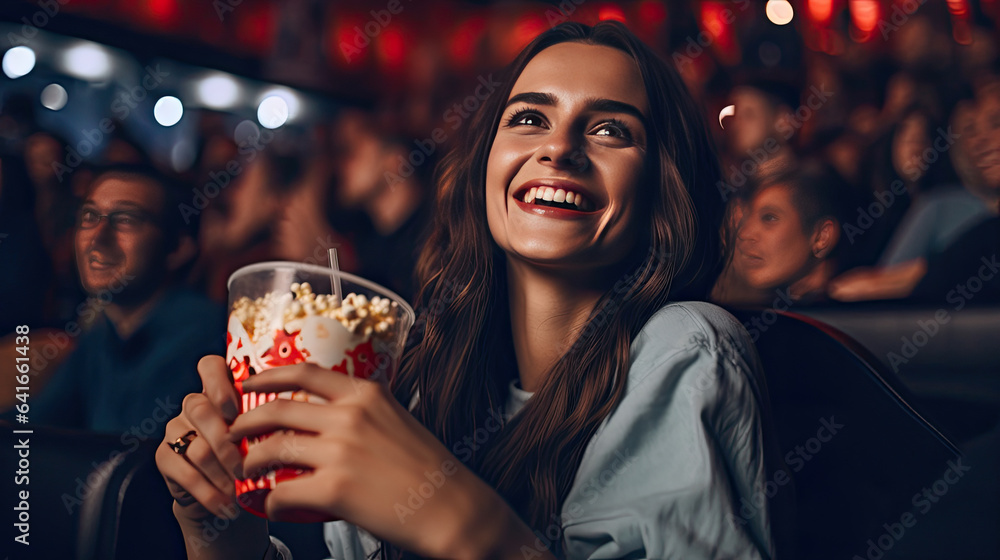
column 137, row 361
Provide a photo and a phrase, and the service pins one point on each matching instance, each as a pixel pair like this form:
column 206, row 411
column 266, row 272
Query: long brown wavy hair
column 460, row 357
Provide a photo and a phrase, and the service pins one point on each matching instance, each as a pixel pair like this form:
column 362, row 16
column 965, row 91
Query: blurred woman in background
column 785, row 241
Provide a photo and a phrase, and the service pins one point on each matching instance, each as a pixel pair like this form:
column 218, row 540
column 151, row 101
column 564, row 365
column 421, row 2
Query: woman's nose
column 746, row 233
column 561, row 149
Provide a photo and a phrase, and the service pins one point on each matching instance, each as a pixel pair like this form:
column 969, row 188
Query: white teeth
column 557, row 195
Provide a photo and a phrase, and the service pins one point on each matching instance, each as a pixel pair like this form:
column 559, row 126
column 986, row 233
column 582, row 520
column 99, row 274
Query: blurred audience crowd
column 872, row 174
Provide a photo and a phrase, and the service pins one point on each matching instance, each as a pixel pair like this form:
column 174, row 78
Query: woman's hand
column 893, row 282
column 373, row 465
column 202, row 479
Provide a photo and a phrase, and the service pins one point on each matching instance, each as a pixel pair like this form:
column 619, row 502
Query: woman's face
column 565, row 168
column 772, row 249
column 752, row 123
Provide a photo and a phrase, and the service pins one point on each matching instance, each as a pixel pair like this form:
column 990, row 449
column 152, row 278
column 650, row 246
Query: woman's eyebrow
column 532, row 97
column 611, row 106
column 594, row 104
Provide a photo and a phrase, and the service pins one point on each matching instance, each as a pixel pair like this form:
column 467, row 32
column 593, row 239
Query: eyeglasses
column 122, row 220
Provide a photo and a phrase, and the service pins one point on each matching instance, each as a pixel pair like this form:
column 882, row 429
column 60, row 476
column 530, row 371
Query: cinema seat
column 857, row 486
column 93, row 498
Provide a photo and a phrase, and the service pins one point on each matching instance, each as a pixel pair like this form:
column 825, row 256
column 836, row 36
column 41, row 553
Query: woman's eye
column 614, row 129
column 769, row 218
column 525, row 118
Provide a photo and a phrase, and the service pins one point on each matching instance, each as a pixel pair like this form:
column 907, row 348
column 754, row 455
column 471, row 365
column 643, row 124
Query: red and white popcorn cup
column 285, row 313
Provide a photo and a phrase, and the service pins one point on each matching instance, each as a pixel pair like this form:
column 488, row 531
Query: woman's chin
column 544, row 252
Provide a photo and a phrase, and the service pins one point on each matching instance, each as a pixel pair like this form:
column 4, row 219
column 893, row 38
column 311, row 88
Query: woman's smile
column 557, row 198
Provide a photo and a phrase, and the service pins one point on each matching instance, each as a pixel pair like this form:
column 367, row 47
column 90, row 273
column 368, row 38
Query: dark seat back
column 133, row 516
column 91, row 496
column 855, row 485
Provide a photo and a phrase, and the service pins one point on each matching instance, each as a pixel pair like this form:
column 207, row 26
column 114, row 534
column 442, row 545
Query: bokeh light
column 780, row 12
column 272, row 112
column 54, row 97
column 218, row 91
column 18, row 61
column 168, row 110
column 87, row 61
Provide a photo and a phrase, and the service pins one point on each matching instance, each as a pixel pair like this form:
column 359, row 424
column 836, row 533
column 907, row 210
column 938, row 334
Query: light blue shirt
column 674, row 470
column 933, row 222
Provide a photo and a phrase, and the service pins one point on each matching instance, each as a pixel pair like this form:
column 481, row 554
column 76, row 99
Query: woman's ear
column 826, row 234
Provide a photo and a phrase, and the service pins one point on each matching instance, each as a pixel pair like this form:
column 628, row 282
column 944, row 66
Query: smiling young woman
column 575, row 403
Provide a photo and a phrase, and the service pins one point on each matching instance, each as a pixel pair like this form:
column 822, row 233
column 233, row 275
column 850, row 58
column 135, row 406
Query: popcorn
column 374, row 317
